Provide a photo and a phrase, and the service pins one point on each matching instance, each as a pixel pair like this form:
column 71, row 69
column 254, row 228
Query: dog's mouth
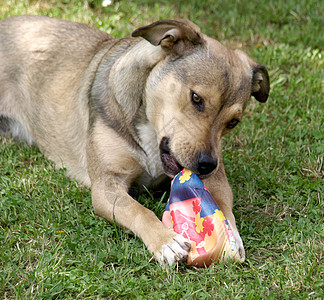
column 170, row 164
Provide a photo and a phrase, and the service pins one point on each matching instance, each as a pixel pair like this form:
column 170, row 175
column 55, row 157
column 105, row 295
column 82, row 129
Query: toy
column 194, row 214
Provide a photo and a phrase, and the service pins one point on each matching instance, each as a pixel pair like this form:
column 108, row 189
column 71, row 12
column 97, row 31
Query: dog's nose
column 206, row 163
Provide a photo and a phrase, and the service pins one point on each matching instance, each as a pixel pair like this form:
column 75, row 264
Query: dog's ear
column 260, row 83
column 174, row 36
column 260, row 77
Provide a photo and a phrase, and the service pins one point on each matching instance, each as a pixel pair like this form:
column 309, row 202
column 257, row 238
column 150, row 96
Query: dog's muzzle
column 205, row 163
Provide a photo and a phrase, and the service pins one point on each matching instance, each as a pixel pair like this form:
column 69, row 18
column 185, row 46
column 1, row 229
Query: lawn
column 52, row 246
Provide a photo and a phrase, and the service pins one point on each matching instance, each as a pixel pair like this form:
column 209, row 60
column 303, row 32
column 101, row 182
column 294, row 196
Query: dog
column 132, row 111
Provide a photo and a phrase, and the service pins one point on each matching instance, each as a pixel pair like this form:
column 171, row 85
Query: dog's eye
column 197, row 101
column 231, row 124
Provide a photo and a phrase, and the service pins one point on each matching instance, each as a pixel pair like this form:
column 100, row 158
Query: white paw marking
column 175, row 251
column 239, row 242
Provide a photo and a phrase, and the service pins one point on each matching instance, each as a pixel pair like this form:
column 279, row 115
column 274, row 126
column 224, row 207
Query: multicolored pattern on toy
column 192, row 212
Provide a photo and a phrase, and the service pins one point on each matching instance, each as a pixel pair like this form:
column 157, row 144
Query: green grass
column 52, row 246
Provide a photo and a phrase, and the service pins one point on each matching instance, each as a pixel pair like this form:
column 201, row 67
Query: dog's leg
column 220, row 189
column 112, row 167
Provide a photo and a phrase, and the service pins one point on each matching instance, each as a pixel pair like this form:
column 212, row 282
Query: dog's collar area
column 170, row 164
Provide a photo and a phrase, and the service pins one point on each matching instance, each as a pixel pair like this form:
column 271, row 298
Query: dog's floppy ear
column 260, row 83
column 174, row 36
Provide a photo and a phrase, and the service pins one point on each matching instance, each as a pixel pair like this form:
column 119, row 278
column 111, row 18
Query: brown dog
column 115, row 112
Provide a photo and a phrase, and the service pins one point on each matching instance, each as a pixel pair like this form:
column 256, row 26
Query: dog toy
column 193, row 213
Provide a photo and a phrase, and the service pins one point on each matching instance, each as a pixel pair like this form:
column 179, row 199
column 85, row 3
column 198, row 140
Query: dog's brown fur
column 118, row 111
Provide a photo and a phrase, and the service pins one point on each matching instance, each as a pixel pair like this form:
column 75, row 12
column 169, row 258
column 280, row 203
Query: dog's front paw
column 240, row 247
column 174, row 251
column 239, row 243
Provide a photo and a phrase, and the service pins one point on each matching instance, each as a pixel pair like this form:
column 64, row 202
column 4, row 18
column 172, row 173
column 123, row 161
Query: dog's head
column 196, row 94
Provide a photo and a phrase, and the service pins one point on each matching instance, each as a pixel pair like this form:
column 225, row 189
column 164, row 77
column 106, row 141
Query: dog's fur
column 115, row 112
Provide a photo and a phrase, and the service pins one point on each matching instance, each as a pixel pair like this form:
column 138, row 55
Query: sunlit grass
column 53, row 246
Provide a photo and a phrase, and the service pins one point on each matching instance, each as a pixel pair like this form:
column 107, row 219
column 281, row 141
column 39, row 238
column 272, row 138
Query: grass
column 52, row 246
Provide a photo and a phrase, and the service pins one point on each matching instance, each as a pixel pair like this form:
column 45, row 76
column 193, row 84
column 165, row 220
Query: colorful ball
column 193, row 213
